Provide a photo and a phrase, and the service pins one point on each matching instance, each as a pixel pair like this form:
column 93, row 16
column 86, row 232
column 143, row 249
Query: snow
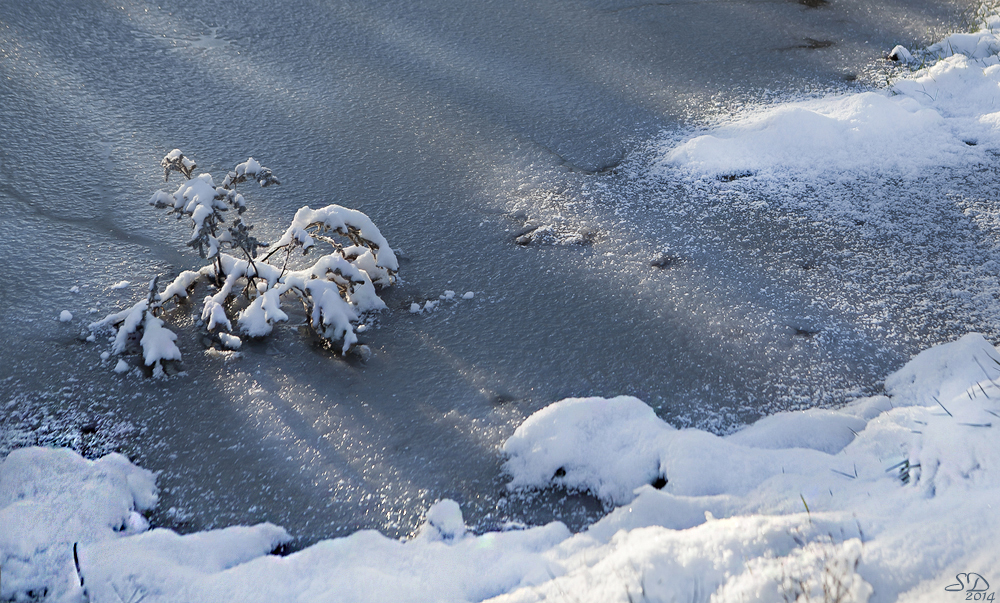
column 443, row 563
column 157, row 344
column 53, row 498
column 954, row 472
column 920, row 122
column 332, row 315
column 256, row 320
column 129, row 319
column 214, row 310
column 167, row 562
column 156, row 341
column 468, row 295
column 120, row 285
column 546, row 447
column 343, row 221
column 900, row 53
column 179, row 287
column 194, row 193
column 74, row 289
column 249, row 167
column 65, row 316
column 338, row 289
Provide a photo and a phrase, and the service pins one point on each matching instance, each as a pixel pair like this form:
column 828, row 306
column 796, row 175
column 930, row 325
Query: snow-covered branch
column 337, row 290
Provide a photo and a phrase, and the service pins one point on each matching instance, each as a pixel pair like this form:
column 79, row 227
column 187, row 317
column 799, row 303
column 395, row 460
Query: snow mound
column 620, row 435
column 159, row 565
column 443, row 522
column 942, row 115
column 53, row 498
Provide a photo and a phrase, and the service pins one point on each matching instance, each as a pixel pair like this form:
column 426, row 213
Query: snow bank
column 885, row 499
column 443, row 563
column 160, row 565
column 943, row 115
column 53, row 498
column 887, row 495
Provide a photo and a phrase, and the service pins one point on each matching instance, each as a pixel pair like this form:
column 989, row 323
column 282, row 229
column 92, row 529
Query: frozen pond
column 458, row 127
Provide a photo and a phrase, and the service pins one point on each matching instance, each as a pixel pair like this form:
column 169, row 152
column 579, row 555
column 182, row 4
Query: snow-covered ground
column 887, row 498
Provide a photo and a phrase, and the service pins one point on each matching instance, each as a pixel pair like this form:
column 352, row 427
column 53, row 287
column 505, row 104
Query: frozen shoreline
column 885, row 499
column 888, row 498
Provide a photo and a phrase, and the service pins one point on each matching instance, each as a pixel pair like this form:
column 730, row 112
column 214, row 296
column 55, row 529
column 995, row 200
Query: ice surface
column 441, row 134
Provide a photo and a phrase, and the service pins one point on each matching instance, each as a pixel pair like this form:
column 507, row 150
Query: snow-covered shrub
column 337, row 290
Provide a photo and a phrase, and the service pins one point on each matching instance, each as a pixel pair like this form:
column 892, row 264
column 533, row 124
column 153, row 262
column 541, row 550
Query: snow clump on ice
column 920, row 122
column 65, row 316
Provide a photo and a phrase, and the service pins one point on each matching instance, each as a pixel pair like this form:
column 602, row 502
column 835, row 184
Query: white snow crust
column 920, row 122
column 53, row 498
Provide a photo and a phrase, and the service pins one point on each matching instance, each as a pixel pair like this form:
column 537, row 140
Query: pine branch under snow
column 338, row 289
